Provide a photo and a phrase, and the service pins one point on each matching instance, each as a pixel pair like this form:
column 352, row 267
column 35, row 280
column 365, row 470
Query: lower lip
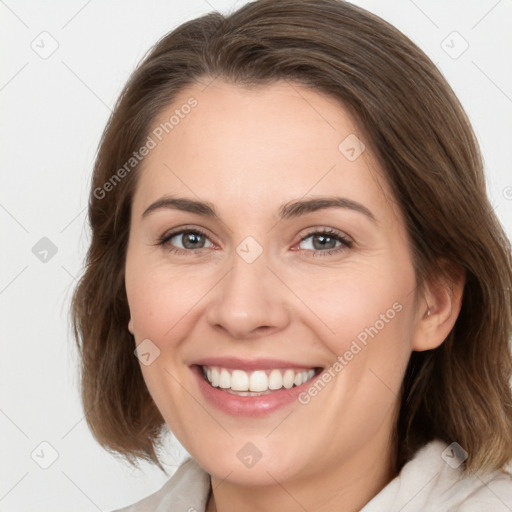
column 249, row 406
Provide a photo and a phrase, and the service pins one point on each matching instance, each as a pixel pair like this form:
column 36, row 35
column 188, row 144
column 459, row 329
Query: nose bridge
column 249, row 297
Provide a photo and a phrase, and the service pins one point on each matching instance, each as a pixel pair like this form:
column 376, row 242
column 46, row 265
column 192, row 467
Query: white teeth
column 300, row 378
column 213, row 377
column 275, row 380
column 259, row 381
column 224, row 379
column 239, row 381
column 288, row 378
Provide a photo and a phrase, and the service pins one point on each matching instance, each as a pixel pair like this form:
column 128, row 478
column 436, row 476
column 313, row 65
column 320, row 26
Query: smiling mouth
column 256, row 383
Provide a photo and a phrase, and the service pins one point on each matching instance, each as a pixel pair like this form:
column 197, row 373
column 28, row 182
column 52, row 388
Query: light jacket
column 432, row 481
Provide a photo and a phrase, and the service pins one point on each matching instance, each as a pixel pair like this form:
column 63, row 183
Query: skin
column 247, row 151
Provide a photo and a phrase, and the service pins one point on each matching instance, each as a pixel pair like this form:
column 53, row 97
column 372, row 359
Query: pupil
column 190, row 239
column 324, row 241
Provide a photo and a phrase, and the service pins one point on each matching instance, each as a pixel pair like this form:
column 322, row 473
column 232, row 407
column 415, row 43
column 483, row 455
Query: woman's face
column 265, row 246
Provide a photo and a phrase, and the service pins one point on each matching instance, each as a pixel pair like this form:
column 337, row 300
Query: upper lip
column 235, row 363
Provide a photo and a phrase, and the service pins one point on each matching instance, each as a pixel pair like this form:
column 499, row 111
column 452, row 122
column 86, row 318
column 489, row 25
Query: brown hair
column 424, row 142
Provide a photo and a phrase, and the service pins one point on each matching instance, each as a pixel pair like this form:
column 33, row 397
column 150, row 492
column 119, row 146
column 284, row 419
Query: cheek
column 161, row 304
column 367, row 319
column 154, row 310
column 146, row 302
column 361, row 305
column 166, row 303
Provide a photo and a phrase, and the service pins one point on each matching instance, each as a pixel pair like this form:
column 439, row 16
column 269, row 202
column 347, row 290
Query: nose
column 249, row 301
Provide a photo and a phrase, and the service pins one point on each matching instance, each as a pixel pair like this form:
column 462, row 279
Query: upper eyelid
column 166, row 237
column 178, row 231
column 327, row 231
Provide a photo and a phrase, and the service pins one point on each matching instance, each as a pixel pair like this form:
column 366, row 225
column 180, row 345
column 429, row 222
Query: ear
column 130, row 325
column 438, row 308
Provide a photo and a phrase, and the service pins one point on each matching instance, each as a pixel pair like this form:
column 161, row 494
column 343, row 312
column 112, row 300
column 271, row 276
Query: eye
column 320, row 242
column 325, row 241
column 185, row 240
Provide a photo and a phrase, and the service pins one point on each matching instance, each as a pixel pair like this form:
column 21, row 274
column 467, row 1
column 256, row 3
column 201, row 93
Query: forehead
column 258, row 146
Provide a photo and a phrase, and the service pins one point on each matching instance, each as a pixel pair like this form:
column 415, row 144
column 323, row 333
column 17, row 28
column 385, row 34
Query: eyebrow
column 289, row 210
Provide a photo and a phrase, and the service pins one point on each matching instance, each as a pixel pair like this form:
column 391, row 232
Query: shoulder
column 434, row 480
column 187, row 489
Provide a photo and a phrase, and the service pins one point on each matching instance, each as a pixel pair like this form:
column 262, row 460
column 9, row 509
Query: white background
column 53, row 112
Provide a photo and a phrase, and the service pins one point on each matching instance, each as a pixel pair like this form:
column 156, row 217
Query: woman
column 290, row 230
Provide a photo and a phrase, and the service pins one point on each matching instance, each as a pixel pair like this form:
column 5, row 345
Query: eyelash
column 345, row 242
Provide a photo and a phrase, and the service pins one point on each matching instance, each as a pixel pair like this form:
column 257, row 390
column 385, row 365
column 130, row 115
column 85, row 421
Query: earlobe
column 130, row 326
column 438, row 311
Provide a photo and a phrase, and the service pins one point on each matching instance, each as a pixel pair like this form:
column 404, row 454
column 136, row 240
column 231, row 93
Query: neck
column 344, row 487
